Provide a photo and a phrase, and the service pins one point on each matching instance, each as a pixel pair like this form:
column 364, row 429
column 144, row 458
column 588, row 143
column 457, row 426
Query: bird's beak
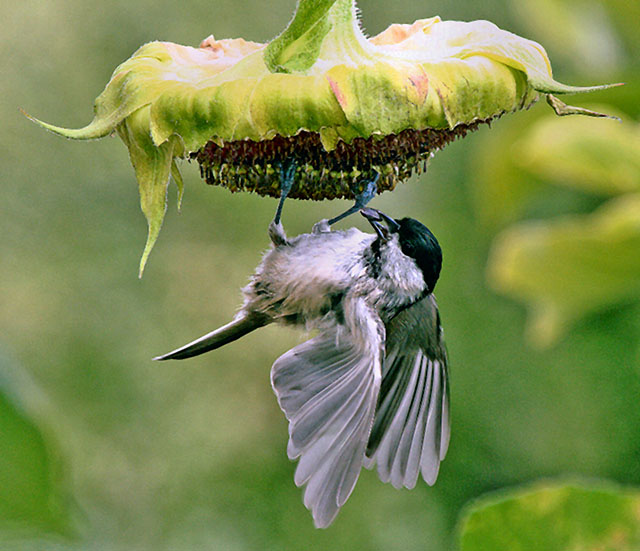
column 383, row 225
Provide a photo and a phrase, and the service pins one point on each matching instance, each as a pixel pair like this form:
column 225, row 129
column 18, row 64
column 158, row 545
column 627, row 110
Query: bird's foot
column 362, row 199
column 322, row 226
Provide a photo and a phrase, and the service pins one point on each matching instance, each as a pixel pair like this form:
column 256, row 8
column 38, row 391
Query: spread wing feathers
column 410, row 434
column 328, row 389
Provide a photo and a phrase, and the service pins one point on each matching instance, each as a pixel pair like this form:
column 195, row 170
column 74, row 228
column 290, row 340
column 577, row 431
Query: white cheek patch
column 404, row 275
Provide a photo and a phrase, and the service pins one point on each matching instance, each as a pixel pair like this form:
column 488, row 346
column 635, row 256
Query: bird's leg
column 287, row 172
column 362, row 199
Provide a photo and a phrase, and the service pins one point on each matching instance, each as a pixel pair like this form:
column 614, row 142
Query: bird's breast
column 309, row 277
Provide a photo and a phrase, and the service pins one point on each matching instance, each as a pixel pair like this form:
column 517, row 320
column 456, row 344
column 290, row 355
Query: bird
column 371, row 387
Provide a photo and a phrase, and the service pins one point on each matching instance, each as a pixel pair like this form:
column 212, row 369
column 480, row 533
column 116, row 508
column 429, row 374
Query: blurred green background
column 100, row 448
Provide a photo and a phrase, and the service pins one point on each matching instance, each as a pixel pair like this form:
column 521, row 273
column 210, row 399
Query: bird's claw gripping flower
column 344, row 106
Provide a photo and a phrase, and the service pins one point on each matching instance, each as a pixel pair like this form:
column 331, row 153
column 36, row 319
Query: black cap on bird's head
column 415, row 239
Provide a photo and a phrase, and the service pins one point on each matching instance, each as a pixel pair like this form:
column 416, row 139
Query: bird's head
column 414, row 239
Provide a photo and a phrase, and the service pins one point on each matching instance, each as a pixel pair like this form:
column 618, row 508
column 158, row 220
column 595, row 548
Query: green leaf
column 554, row 516
column 569, row 267
column 599, row 158
column 297, row 48
column 31, row 498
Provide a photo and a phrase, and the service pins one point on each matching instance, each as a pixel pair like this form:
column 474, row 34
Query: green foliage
column 193, row 456
column 555, row 517
column 565, row 267
column 569, row 267
column 297, row 48
column 31, row 498
column 602, row 159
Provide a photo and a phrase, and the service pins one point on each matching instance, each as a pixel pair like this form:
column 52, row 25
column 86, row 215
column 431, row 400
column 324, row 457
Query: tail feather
column 221, row 336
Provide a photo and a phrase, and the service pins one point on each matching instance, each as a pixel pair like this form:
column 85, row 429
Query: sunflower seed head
column 246, row 165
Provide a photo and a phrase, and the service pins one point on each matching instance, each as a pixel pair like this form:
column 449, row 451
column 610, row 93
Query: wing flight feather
column 328, row 389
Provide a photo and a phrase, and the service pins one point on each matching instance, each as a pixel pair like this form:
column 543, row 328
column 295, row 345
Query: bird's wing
column 411, row 428
column 328, row 388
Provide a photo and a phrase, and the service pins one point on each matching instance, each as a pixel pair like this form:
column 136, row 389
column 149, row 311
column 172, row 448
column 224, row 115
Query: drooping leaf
column 152, row 166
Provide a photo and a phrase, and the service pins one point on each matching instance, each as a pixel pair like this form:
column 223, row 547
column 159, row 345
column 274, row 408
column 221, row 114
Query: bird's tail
column 221, row 336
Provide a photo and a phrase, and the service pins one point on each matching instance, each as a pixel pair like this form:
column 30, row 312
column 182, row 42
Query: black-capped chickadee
column 371, row 387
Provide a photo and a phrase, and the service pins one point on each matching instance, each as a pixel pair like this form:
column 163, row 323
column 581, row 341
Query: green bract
column 343, row 106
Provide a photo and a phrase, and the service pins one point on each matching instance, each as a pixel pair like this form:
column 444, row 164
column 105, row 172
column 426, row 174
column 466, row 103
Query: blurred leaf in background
column 554, row 516
column 570, row 266
column 32, row 498
column 565, row 268
column 601, row 159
